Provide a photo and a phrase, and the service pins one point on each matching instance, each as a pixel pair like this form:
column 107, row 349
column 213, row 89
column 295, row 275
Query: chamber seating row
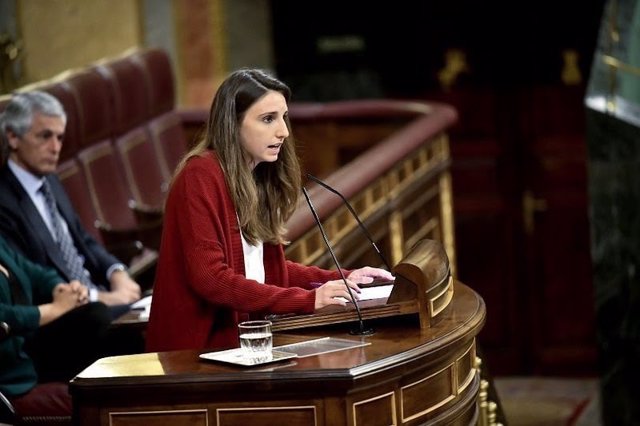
column 123, row 139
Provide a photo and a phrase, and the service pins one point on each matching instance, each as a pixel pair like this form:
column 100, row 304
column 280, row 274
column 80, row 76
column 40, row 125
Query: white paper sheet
column 142, row 303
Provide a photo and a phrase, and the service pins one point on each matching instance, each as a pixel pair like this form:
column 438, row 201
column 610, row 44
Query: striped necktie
column 72, row 259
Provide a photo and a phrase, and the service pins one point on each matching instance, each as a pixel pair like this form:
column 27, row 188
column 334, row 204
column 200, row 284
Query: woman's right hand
column 335, row 293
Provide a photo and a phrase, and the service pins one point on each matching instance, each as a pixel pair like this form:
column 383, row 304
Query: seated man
column 39, row 310
column 36, row 216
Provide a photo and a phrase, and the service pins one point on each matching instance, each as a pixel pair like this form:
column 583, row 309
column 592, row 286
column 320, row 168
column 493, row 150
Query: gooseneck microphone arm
column 362, row 330
column 355, row 215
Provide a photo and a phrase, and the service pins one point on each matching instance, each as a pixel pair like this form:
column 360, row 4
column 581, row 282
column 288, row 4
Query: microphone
column 361, row 331
column 355, row 215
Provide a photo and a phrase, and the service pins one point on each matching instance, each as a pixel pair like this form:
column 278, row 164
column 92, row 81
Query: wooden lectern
column 423, row 286
column 404, row 374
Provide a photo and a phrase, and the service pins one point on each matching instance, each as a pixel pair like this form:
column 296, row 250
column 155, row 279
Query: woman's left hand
column 368, row 274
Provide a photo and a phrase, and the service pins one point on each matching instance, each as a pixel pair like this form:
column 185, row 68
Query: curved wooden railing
column 398, row 182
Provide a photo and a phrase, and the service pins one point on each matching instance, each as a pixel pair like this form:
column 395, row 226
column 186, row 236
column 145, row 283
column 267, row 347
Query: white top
column 253, row 260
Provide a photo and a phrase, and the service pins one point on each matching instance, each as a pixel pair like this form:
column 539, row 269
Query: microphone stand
column 361, row 331
column 355, row 216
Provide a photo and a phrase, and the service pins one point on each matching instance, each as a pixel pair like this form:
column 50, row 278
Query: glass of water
column 256, row 340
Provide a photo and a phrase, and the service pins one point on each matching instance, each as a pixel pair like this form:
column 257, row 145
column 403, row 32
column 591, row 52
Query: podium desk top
column 396, row 341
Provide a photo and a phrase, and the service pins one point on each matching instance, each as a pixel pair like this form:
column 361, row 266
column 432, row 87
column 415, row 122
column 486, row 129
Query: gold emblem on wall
column 10, row 53
column 455, row 63
column 571, row 75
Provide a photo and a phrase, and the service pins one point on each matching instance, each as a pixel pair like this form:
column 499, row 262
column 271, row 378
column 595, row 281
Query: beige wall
column 205, row 38
column 63, row 34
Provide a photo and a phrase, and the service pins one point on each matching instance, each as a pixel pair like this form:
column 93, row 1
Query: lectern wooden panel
column 423, row 286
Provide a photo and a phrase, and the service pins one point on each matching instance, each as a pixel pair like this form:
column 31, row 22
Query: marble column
column 613, row 135
column 614, row 184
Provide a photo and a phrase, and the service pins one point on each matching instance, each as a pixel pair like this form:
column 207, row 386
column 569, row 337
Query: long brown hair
column 265, row 197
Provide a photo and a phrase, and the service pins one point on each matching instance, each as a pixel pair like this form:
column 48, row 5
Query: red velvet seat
column 170, row 140
column 142, row 168
column 104, row 110
column 95, row 106
column 107, row 185
column 165, row 126
column 124, row 246
column 156, row 64
column 123, row 140
column 47, row 404
column 75, row 184
column 130, row 93
column 111, row 197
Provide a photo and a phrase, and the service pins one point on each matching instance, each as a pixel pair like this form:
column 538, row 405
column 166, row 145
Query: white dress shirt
column 253, row 260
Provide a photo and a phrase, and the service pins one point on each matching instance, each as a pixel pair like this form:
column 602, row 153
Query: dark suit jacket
column 17, row 373
column 23, row 228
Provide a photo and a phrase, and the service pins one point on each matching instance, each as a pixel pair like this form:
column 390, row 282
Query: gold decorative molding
column 391, row 396
column 620, row 65
column 117, row 418
column 431, row 382
column 448, row 230
column 452, row 392
column 440, row 301
column 468, row 358
column 396, row 237
column 487, row 409
column 220, row 412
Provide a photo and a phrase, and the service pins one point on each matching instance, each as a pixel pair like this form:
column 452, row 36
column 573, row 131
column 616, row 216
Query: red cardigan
column 200, row 291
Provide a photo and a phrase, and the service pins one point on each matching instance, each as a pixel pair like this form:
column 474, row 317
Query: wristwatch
column 115, row 267
column 118, row 267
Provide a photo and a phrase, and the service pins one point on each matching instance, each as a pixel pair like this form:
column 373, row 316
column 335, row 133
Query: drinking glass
column 256, row 340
